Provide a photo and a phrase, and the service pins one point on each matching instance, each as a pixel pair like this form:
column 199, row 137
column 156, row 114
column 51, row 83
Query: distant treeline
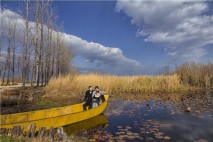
column 32, row 47
column 200, row 75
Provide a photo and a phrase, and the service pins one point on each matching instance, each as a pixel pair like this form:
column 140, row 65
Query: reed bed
column 115, row 84
column 194, row 74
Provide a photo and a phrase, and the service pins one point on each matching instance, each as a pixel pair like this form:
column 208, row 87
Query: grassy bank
column 77, row 84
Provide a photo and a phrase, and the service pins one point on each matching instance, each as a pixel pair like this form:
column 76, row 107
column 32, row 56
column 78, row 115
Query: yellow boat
column 50, row 117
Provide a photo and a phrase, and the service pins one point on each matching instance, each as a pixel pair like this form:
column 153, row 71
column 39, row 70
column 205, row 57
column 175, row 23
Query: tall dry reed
column 114, row 84
column 200, row 75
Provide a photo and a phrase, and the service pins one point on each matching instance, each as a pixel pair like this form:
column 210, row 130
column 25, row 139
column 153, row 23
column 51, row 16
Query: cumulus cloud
column 104, row 57
column 96, row 52
column 183, row 27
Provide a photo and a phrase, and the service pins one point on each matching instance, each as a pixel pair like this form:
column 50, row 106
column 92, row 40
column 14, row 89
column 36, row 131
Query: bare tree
column 8, row 55
column 50, row 44
column 43, row 52
column 13, row 51
column 25, row 48
column 53, row 55
column 66, row 56
column 58, row 53
column 18, row 64
column 35, row 41
column 43, row 7
column 8, row 65
column 1, row 67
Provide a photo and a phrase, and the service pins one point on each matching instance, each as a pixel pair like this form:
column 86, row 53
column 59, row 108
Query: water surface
column 153, row 118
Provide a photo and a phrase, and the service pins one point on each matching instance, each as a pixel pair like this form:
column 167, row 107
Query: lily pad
column 129, row 133
column 136, row 134
column 158, row 133
column 119, row 127
column 159, row 136
column 167, row 138
column 128, row 127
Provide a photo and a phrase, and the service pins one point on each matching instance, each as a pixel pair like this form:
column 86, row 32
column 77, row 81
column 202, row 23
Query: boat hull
column 59, row 116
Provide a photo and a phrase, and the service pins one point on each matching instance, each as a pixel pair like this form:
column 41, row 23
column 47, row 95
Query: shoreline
column 43, row 101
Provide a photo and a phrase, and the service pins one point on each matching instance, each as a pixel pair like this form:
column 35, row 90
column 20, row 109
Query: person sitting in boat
column 96, row 97
column 88, row 98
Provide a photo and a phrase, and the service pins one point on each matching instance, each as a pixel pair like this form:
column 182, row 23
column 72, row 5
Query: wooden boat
column 53, row 117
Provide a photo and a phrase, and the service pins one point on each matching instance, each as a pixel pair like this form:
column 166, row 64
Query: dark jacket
column 88, row 96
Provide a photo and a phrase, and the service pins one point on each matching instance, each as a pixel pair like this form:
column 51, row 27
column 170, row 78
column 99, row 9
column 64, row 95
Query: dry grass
column 200, row 75
column 76, row 85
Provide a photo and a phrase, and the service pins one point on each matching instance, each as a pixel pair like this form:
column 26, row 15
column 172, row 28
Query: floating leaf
column 120, row 137
column 167, row 138
column 129, row 133
column 159, row 133
column 131, row 137
column 136, row 134
column 128, row 127
column 119, row 133
column 159, row 136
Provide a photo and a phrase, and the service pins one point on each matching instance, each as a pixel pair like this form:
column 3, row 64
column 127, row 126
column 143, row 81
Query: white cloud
column 97, row 52
column 105, row 57
column 10, row 14
column 181, row 26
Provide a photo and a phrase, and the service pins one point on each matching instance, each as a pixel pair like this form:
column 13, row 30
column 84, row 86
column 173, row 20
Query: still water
column 151, row 118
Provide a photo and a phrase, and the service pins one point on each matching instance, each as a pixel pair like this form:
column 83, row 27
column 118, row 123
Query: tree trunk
column 35, row 63
column 8, row 54
column 24, row 73
column 14, row 50
column 1, row 66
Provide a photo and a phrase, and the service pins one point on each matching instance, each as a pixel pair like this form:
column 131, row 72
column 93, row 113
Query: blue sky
column 149, row 36
column 99, row 22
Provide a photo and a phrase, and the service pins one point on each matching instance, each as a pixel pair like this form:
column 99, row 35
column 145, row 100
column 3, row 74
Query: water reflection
column 199, row 102
column 157, row 117
column 97, row 121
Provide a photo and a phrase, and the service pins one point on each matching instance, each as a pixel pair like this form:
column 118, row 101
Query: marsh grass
column 194, row 74
column 116, row 85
